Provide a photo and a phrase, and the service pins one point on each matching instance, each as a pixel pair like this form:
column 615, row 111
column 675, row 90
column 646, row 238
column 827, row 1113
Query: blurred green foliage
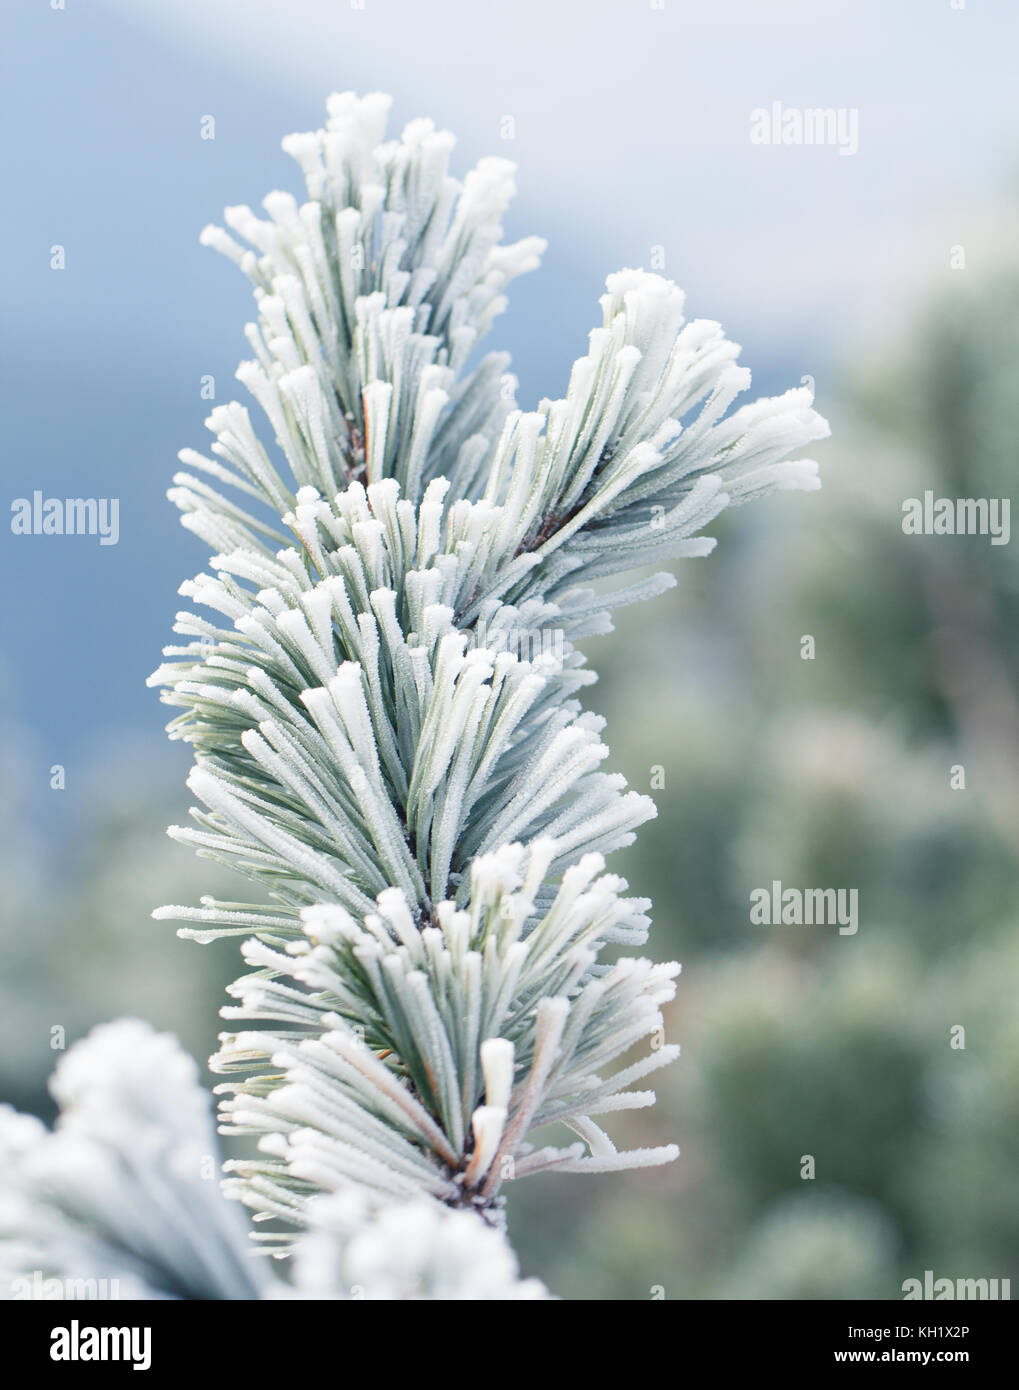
column 77, row 887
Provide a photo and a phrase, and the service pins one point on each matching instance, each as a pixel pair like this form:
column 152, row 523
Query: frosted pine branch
column 382, row 690
column 120, row 1200
column 500, row 1018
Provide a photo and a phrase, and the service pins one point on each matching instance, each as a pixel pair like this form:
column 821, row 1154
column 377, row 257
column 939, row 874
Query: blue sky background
column 631, row 131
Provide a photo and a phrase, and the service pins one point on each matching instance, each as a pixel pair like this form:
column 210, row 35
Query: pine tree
column 389, row 743
column 383, row 706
